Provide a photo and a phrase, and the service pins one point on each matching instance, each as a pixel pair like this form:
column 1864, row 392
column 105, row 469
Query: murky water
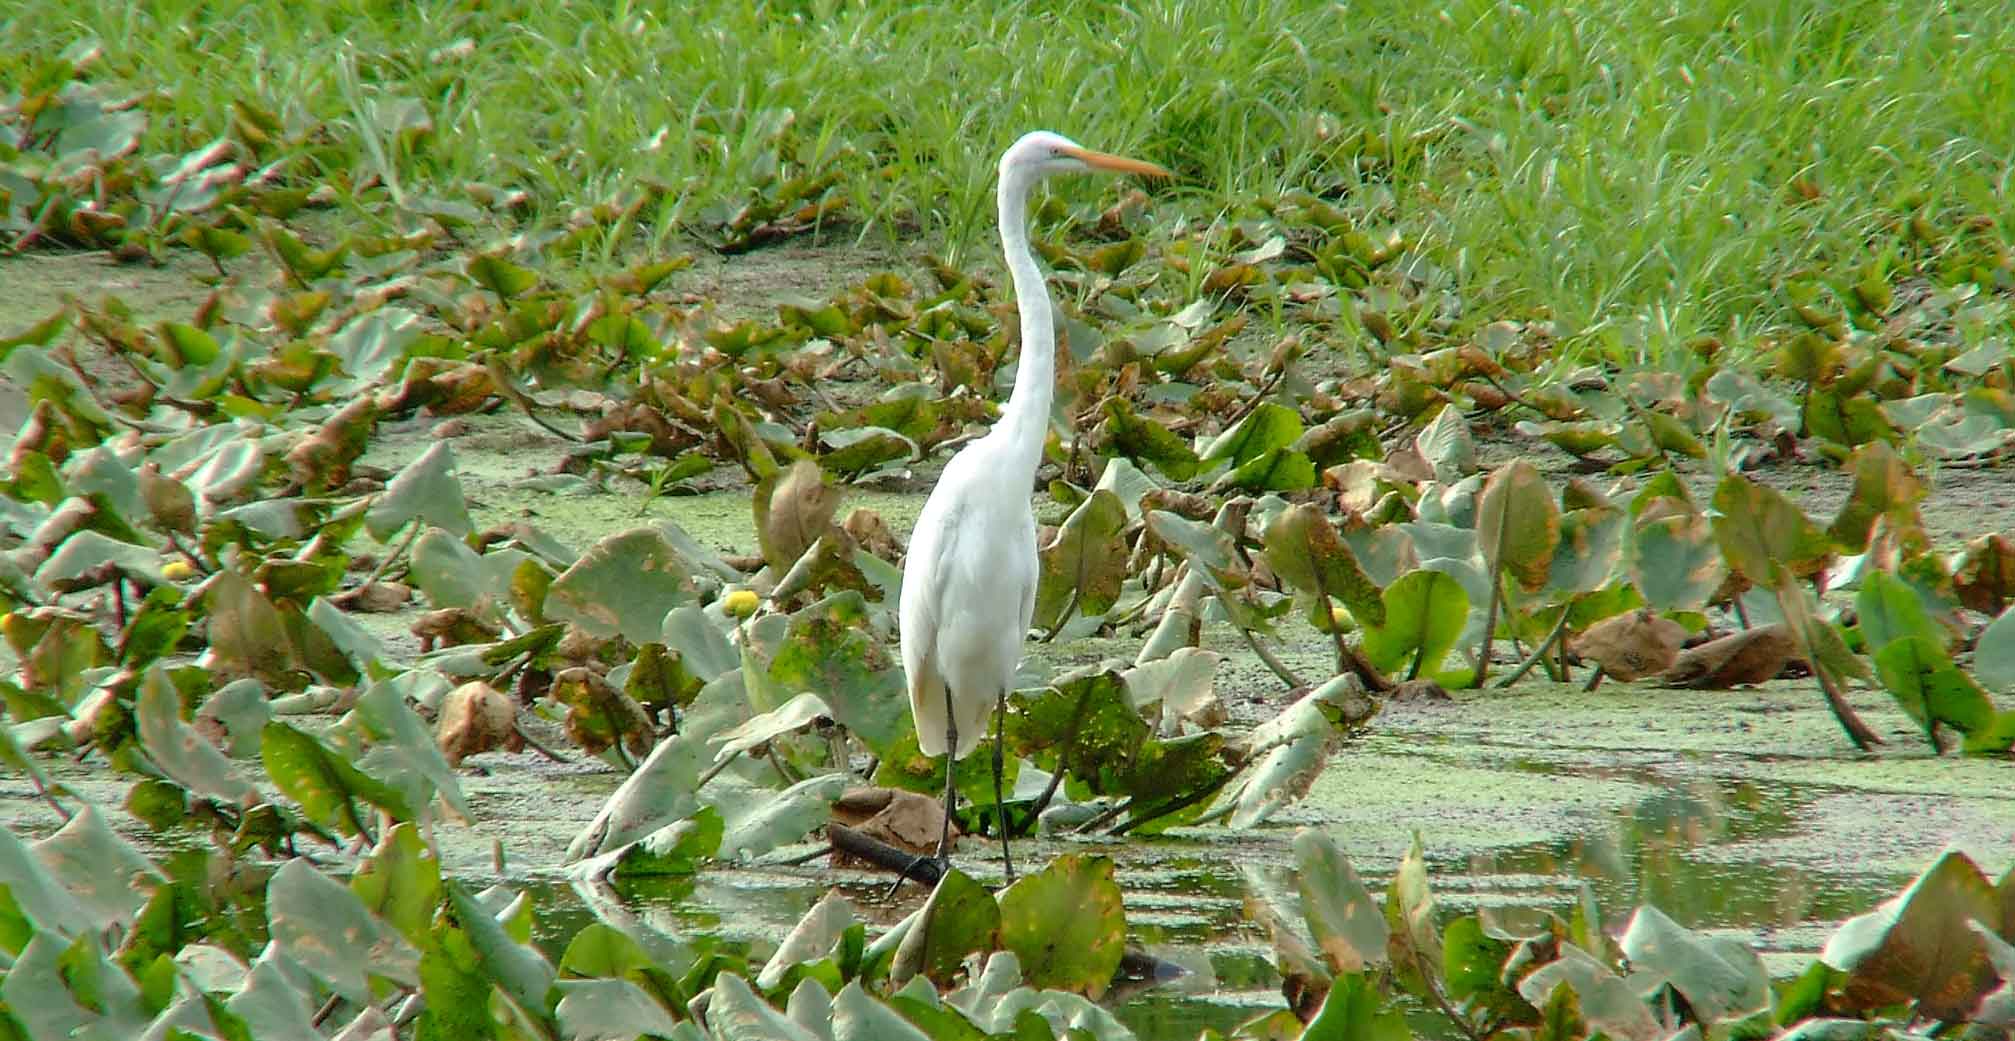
column 1681, row 848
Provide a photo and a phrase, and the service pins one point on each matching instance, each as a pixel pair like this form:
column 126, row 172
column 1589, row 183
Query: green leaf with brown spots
column 623, row 585
column 1308, row 553
column 1760, row 531
column 1517, row 524
column 1066, row 925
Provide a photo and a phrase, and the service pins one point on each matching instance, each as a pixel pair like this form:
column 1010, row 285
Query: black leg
column 951, row 789
column 944, row 855
column 1000, row 771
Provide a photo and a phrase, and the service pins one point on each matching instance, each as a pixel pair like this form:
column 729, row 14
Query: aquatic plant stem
column 1538, row 653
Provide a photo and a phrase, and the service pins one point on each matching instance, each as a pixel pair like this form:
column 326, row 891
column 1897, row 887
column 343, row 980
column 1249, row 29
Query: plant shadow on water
column 1677, row 849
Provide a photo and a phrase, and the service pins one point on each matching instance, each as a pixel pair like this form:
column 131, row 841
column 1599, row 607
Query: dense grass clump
column 1639, row 170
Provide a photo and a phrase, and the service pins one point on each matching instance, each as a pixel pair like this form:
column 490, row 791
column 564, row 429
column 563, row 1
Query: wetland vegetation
column 1519, row 520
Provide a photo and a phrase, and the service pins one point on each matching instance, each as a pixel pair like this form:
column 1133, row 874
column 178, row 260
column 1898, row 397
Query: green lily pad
column 400, row 882
column 1066, row 925
column 829, row 647
column 1448, row 447
column 518, row 969
column 601, row 1008
column 1760, row 531
column 1267, row 428
column 1994, row 664
column 1425, row 612
column 1721, row 979
column 816, row 935
column 1889, row 610
column 759, row 825
column 427, row 490
column 659, row 792
column 327, row 785
column 1086, row 563
column 322, row 925
column 247, row 636
column 1143, row 440
column 624, row 585
column 1308, row 553
column 1933, row 691
column 500, row 276
column 958, row 919
column 1341, row 913
column 1674, row 561
column 1354, row 1010
column 678, row 848
column 106, row 875
column 180, row 752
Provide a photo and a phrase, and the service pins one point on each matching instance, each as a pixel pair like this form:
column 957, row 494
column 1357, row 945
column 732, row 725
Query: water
column 1681, row 848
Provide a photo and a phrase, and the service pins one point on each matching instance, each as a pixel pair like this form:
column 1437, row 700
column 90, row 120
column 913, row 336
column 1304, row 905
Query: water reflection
column 1669, row 851
column 1186, row 899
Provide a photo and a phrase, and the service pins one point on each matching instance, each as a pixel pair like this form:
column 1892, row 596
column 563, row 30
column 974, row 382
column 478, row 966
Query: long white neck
column 1024, row 422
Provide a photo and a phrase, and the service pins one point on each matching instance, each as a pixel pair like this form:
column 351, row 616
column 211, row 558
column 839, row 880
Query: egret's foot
column 942, row 859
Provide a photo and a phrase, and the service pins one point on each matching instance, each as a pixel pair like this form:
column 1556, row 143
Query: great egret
column 970, row 575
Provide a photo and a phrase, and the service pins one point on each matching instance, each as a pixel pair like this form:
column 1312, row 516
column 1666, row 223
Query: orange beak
column 1116, row 163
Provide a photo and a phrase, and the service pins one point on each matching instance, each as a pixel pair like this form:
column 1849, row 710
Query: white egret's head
column 1039, row 154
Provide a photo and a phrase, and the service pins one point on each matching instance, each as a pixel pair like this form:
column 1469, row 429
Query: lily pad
column 1308, row 553
column 958, row 919
column 1066, row 925
column 1517, row 524
column 323, row 926
column 1917, row 947
column 427, row 490
column 1085, row 564
column 624, row 585
column 1721, row 979
column 1425, row 612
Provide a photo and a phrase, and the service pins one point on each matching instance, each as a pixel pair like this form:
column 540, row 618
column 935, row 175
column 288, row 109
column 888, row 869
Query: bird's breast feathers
column 969, row 578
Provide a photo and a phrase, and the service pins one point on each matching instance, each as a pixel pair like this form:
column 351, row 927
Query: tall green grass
column 1625, row 167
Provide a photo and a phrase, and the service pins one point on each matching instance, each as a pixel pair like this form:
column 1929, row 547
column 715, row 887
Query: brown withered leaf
column 1177, row 501
column 871, row 533
column 374, row 598
column 1749, row 656
column 1632, row 645
column 476, row 718
column 635, row 417
column 44, row 432
column 448, row 387
column 1885, row 489
column 1356, row 483
column 1517, row 523
column 1486, row 396
column 906, row 820
column 800, row 509
column 599, row 715
column 1407, row 466
column 1985, row 577
column 1113, row 222
column 321, row 460
column 453, row 626
column 1419, row 690
column 828, row 563
column 169, row 501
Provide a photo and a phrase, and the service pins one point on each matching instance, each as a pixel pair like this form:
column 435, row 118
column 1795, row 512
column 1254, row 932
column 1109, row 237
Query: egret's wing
column 927, row 567
column 1030, row 574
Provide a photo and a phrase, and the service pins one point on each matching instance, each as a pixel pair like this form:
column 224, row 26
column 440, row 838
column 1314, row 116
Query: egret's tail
column 927, row 707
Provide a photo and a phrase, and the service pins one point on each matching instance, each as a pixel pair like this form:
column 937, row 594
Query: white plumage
column 970, row 574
